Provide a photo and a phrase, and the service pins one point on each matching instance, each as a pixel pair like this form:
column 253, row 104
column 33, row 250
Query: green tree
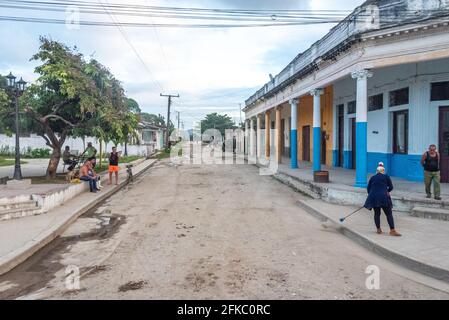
column 132, row 105
column 218, row 122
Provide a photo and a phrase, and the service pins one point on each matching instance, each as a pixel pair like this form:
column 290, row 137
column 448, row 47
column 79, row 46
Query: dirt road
column 205, row 232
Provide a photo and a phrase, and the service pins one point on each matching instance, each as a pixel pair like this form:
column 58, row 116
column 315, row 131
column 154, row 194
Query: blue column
column 361, row 155
column 316, row 128
column 317, row 149
column 294, row 134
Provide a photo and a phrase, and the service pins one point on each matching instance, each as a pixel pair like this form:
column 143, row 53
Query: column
column 246, row 137
column 294, row 134
column 251, row 137
column 259, row 138
column 278, row 135
column 267, row 134
column 361, row 127
column 317, row 128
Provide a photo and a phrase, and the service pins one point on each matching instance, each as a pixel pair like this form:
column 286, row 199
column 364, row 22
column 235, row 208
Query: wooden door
column 341, row 135
column 306, row 143
column 444, row 143
column 323, row 147
column 354, row 143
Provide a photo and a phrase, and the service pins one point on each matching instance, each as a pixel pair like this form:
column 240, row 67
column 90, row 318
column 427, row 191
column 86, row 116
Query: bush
column 29, row 152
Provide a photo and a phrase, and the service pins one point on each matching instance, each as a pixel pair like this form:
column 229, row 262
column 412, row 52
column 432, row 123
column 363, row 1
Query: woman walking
column 379, row 188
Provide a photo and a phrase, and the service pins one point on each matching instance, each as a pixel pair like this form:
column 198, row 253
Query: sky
column 213, row 70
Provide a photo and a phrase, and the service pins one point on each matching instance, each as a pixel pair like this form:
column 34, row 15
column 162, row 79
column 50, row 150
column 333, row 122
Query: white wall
column 35, row 141
column 423, row 114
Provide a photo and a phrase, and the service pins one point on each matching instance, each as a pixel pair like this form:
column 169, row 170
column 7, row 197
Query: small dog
column 72, row 175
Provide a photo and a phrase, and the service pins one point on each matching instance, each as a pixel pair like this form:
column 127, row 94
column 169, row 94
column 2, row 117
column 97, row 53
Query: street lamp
column 16, row 88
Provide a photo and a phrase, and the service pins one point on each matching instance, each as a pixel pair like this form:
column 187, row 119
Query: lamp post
column 16, row 88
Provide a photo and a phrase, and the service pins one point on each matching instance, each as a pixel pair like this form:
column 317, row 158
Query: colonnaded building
column 375, row 88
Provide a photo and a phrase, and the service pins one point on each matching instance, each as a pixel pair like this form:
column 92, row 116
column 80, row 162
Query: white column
column 246, row 137
column 362, row 127
column 317, row 128
column 294, row 134
column 251, row 138
column 259, row 137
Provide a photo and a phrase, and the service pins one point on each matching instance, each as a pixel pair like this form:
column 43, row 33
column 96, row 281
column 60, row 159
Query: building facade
column 375, row 88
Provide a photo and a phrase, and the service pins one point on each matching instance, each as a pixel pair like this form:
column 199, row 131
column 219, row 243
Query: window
column 439, row 91
column 352, row 106
column 399, row 97
column 400, row 132
column 376, row 102
column 341, row 109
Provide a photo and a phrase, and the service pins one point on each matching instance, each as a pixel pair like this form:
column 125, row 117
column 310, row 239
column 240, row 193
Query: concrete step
column 29, row 204
column 430, row 213
column 19, row 213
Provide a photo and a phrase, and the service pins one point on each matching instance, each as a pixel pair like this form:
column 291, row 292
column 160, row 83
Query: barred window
column 439, row 91
column 376, row 102
column 399, row 97
column 352, row 106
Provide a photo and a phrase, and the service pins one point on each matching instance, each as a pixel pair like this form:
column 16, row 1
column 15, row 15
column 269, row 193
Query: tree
column 132, row 105
column 218, row 122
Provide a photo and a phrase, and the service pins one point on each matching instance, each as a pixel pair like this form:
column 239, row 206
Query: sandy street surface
column 205, row 232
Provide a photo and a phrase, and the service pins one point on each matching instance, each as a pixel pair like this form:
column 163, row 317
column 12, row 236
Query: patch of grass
column 9, row 162
column 59, row 179
column 163, row 154
column 129, row 159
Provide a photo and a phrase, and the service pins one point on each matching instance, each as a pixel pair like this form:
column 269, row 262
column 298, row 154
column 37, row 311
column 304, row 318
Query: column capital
column 316, row 92
column 278, row 107
column 260, row 115
column 294, row 101
column 362, row 74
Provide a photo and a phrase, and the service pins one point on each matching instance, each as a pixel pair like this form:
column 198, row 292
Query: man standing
column 430, row 160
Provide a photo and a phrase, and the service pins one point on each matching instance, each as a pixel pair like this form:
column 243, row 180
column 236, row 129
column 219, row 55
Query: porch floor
column 345, row 178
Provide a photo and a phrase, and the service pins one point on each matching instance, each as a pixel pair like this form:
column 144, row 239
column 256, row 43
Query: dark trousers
column 388, row 212
column 92, row 183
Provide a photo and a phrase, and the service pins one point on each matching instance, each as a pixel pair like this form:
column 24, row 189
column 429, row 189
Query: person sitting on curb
column 379, row 188
column 430, row 160
column 114, row 158
column 84, row 176
column 94, row 175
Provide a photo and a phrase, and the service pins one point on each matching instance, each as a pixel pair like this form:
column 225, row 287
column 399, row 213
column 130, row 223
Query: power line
column 123, row 33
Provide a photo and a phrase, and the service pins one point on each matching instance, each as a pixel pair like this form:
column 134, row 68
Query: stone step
column 29, row 204
column 19, row 213
column 430, row 213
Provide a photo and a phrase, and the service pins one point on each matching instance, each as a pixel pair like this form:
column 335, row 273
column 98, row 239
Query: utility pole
column 167, row 134
column 178, row 119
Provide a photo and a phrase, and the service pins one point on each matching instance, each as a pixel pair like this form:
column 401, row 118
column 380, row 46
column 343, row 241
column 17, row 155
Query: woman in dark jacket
column 379, row 188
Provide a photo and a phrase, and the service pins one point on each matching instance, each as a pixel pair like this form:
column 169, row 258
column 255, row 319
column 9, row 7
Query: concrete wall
column 35, row 141
column 423, row 114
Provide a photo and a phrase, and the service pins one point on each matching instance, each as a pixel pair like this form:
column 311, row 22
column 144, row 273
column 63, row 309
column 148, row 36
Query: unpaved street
column 205, row 232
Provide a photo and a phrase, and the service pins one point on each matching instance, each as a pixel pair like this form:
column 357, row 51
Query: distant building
column 375, row 88
column 151, row 135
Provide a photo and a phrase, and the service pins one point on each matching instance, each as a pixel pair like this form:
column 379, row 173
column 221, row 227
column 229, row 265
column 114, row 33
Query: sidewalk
column 21, row 238
column 423, row 247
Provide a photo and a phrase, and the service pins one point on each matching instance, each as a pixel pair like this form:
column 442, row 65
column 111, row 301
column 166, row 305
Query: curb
column 394, row 256
column 16, row 257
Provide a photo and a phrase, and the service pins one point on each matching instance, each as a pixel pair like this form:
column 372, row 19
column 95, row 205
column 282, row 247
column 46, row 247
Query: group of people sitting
column 87, row 171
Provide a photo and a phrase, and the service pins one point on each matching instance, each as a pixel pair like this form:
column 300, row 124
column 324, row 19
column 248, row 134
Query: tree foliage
column 74, row 97
column 217, row 121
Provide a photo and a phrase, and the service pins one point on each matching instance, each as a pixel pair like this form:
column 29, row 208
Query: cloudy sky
column 213, row 70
